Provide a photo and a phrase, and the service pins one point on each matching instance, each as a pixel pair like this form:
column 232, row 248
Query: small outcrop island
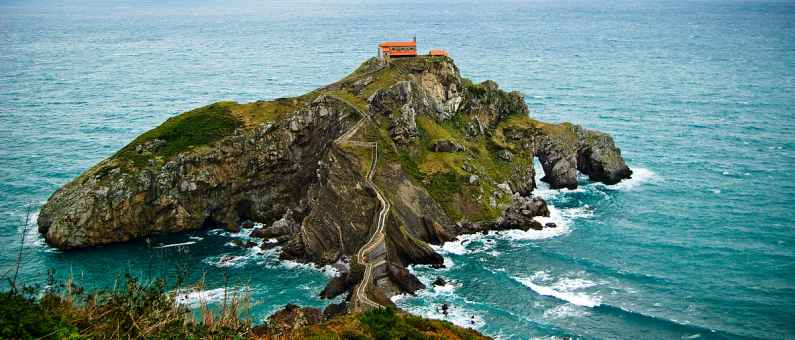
column 365, row 172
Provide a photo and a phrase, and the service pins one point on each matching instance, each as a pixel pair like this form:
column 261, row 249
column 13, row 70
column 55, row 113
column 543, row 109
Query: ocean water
column 700, row 96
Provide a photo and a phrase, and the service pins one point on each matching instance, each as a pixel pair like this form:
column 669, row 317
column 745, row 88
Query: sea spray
column 568, row 289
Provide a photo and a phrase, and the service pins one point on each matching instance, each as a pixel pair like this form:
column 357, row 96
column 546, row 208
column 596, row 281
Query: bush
column 23, row 317
column 386, row 324
column 134, row 311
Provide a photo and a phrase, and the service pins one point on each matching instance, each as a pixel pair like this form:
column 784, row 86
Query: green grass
column 358, row 102
column 383, row 79
column 23, row 317
column 133, row 310
column 194, row 128
column 444, row 188
column 387, row 323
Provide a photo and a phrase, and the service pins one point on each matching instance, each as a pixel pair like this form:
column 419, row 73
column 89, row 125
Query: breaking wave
column 252, row 255
column 639, row 176
column 566, row 289
column 327, row 270
column 194, row 298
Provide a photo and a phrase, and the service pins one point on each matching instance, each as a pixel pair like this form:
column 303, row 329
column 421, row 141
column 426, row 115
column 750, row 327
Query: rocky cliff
column 392, row 158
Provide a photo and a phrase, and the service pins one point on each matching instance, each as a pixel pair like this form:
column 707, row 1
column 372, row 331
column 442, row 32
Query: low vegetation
column 190, row 129
column 384, row 324
column 149, row 311
column 133, row 310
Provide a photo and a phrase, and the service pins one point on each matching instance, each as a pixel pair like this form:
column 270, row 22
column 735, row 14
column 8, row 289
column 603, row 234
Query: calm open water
column 700, row 95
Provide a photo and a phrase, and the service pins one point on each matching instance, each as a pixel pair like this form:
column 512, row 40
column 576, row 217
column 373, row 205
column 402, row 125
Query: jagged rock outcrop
column 451, row 157
column 445, row 145
column 592, row 153
column 292, row 318
column 252, row 174
column 599, row 158
column 520, row 214
column 404, row 279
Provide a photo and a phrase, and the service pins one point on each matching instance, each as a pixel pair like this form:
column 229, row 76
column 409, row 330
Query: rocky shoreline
column 453, row 158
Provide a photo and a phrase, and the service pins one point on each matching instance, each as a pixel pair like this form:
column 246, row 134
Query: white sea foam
column 458, row 316
column 196, row 238
column 32, row 237
column 454, row 247
column 562, row 218
column 327, row 270
column 564, row 289
column 448, row 263
column 195, row 298
column 455, row 314
column 227, row 260
column 639, row 176
column 176, row 244
column 565, row 311
column 242, row 233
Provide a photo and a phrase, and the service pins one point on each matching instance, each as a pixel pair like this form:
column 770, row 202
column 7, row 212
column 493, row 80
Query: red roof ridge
column 397, row 43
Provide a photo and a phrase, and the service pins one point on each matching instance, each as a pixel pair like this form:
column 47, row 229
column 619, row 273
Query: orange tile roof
column 398, row 44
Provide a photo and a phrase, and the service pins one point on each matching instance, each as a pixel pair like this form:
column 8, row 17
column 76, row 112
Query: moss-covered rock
column 452, row 157
column 386, row 323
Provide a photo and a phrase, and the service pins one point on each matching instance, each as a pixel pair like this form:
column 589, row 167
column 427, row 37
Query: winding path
column 360, row 300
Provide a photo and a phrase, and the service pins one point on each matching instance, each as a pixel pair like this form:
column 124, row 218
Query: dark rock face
column 520, row 213
column 467, row 168
column 600, row 159
column 445, row 145
column 336, row 286
column 405, row 280
column 410, row 250
column 293, row 317
column 402, row 99
column 592, row 153
column 285, row 226
column 439, row 281
column 435, row 231
column 487, row 100
column 255, row 173
column 560, row 170
column 340, row 209
column 335, row 309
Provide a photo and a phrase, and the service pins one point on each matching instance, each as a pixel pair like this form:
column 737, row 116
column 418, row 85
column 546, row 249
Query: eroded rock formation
column 452, row 157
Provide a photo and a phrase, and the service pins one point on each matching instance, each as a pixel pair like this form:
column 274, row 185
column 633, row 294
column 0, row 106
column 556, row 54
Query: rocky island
column 364, row 173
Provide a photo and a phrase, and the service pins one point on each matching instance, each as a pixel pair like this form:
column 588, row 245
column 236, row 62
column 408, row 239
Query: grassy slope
column 384, row 324
column 442, row 174
column 148, row 311
column 203, row 126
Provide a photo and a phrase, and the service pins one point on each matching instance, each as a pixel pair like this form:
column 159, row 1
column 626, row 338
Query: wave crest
column 564, row 289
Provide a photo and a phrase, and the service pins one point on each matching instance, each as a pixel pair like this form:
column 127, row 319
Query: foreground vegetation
column 381, row 324
column 133, row 310
column 149, row 311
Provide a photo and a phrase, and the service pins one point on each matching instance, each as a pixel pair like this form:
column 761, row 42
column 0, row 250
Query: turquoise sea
column 700, row 96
